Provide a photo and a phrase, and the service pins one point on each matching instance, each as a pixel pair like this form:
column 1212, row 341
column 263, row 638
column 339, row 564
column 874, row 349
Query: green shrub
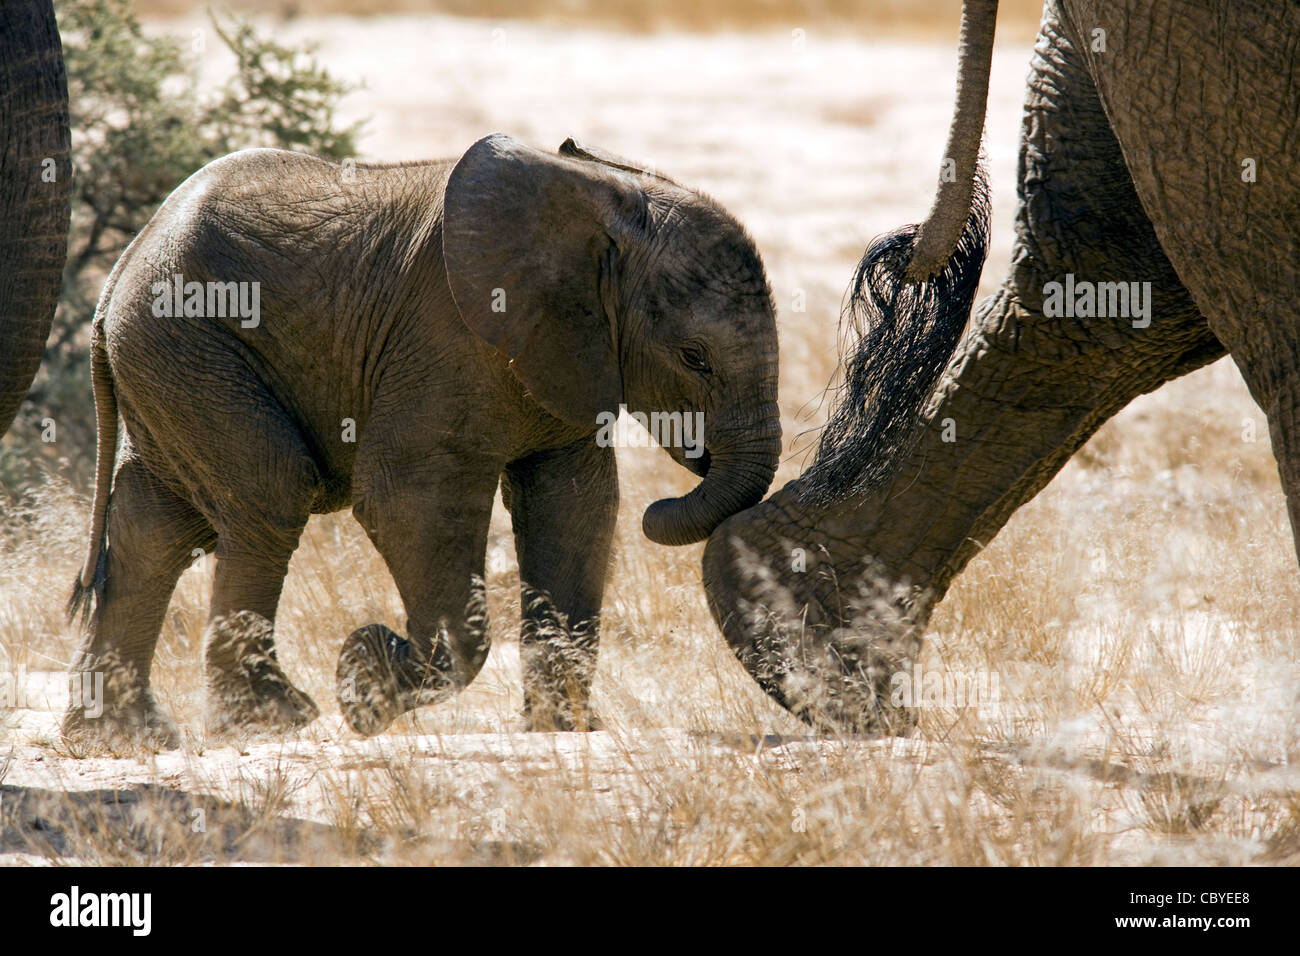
column 139, row 128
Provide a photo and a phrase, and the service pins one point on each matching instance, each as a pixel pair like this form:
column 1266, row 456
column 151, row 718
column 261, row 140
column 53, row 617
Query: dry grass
column 1139, row 614
column 1146, row 715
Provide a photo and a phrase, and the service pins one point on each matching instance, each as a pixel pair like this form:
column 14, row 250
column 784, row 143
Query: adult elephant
column 35, row 190
column 288, row 336
column 1160, row 144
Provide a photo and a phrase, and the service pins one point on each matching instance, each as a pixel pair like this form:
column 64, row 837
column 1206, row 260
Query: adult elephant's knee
column 381, row 675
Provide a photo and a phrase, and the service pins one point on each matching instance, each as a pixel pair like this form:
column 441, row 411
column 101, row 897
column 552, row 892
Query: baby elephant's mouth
column 698, row 465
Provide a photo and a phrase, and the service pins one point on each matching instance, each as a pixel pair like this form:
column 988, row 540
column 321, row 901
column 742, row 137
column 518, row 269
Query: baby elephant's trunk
column 740, row 471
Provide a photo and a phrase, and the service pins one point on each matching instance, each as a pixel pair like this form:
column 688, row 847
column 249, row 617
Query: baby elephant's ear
column 571, row 147
column 530, row 241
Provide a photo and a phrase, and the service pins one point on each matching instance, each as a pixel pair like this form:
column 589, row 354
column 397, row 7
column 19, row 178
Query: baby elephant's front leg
column 558, row 658
column 433, row 540
column 563, row 506
column 381, row 675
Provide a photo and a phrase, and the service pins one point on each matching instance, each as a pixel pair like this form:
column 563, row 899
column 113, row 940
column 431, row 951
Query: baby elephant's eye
column 694, row 358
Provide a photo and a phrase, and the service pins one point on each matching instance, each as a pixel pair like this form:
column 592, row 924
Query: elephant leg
column 250, row 473
column 247, row 690
column 563, row 506
column 1284, row 430
column 1267, row 361
column 1219, row 173
column 152, row 534
column 432, row 534
column 1030, row 383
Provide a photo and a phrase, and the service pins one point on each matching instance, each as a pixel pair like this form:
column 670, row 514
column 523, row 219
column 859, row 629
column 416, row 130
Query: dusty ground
column 1138, row 615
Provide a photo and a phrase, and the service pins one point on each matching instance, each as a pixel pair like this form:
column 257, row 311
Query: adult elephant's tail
column 938, row 238
column 911, row 295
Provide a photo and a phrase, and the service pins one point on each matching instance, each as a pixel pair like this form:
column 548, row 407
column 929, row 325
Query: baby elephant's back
column 299, row 259
column 270, row 268
column 266, row 232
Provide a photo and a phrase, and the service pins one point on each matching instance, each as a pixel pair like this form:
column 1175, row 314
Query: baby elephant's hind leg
column 152, row 533
column 247, row 690
column 256, row 480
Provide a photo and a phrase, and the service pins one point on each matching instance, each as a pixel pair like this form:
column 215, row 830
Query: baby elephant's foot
column 112, row 711
column 247, row 691
column 559, row 723
column 380, row 678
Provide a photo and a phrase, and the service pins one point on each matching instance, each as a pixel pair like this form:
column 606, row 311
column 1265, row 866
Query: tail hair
column 905, row 333
column 86, row 600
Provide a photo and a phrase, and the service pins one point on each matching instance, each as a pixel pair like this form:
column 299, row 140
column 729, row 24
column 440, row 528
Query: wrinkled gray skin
column 34, row 148
column 1130, row 169
column 472, row 317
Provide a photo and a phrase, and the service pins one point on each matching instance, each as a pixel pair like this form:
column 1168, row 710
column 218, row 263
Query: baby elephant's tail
column 89, row 586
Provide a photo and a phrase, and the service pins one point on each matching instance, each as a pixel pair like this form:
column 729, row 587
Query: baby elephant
column 289, row 337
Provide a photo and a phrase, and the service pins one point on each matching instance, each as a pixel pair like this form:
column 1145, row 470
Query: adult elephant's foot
column 247, row 691
column 862, row 701
column 113, row 711
column 379, row 678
